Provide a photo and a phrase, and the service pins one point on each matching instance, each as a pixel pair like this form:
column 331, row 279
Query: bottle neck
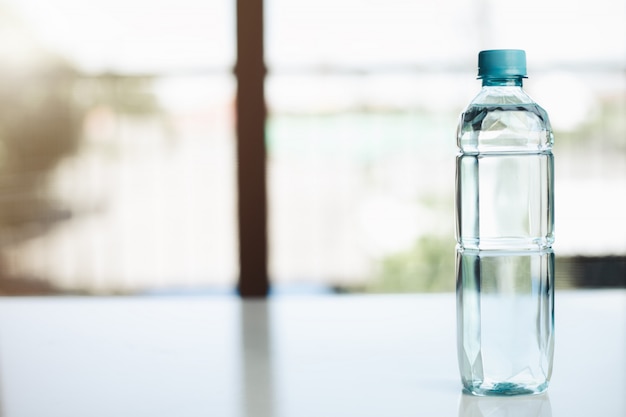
column 502, row 82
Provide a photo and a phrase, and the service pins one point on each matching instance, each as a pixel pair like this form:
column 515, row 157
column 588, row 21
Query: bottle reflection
column 522, row 406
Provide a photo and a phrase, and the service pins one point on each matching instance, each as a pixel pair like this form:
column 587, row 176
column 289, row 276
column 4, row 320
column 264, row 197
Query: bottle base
column 504, row 389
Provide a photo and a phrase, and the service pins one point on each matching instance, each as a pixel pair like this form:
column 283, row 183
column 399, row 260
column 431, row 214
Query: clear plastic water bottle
column 505, row 221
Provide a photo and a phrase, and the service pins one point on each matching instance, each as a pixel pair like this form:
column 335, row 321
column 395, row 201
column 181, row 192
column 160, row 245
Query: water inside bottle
column 505, row 320
column 506, row 201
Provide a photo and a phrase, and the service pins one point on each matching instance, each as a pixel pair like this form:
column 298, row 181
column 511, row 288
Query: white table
column 286, row 357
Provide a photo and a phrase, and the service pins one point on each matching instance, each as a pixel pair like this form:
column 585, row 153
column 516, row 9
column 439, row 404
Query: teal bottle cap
column 502, row 63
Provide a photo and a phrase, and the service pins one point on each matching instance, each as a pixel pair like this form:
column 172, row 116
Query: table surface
column 286, row 357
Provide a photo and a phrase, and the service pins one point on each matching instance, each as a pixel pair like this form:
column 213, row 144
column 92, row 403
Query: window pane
column 117, row 146
column 133, row 35
column 364, row 99
column 376, row 33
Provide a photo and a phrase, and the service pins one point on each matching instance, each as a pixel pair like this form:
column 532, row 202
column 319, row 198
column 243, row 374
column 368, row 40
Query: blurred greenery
column 606, row 127
column 428, row 266
column 43, row 104
column 38, row 127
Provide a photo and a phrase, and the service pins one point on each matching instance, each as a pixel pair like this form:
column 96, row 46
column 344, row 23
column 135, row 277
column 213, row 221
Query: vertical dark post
column 251, row 181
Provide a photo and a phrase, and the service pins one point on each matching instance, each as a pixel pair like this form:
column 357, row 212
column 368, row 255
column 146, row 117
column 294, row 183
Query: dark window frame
column 251, row 113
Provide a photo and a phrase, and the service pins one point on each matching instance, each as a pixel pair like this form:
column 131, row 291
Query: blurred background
column 117, row 140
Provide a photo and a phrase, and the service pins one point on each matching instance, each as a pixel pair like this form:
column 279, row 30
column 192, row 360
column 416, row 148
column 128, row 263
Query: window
column 119, row 177
column 364, row 98
column 118, row 144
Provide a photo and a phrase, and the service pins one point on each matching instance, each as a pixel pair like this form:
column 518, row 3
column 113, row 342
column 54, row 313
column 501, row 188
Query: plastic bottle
column 504, row 219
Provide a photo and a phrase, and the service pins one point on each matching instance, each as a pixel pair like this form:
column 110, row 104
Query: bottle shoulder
column 504, row 119
column 501, row 95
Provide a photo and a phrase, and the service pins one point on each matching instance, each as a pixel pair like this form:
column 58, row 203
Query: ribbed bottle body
column 506, row 201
